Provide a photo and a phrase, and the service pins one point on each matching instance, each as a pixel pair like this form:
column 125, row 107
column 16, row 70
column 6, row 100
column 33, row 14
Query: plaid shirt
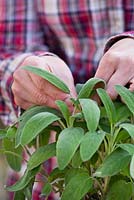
column 74, row 30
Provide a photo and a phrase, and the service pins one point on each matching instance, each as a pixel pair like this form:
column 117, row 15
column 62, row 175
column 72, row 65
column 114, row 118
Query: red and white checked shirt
column 74, row 30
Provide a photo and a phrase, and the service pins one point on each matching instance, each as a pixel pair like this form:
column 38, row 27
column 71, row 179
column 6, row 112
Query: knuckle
column 15, row 90
column 16, row 75
column 18, row 101
column 29, row 60
column 40, row 98
column 22, row 103
column 112, row 58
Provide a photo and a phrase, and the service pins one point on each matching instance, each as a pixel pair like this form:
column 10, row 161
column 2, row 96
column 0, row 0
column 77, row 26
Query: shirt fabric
column 76, row 31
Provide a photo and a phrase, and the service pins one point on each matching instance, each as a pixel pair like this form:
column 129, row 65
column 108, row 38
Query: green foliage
column 49, row 77
column 94, row 145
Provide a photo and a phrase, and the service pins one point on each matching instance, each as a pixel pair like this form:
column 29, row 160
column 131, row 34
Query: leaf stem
column 27, row 151
column 106, row 181
column 62, row 124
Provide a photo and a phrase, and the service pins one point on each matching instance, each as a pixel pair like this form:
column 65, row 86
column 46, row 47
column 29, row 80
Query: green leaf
column 76, row 160
column 3, row 133
column 13, row 160
column 114, row 163
column 108, row 104
column 56, row 174
column 23, row 181
column 120, row 190
column 44, row 137
column 120, row 110
column 127, row 96
column 129, row 128
column 35, row 125
column 47, row 189
column 19, row 195
column 79, row 87
column 29, row 188
column 11, row 132
column 41, row 155
column 67, row 144
column 77, row 187
column 132, row 167
column 90, row 144
column 87, row 88
column 127, row 147
column 50, row 77
column 64, row 110
column 72, row 172
column 27, row 115
column 122, row 136
column 91, row 113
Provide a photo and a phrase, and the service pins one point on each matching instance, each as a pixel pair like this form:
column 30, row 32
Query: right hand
column 29, row 89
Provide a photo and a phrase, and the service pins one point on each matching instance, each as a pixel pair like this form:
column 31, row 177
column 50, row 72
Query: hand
column 30, row 89
column 117, row 66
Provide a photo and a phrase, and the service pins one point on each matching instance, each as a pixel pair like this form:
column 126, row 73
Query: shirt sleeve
column 8, row 109
column 112, row 40
column 21, row 35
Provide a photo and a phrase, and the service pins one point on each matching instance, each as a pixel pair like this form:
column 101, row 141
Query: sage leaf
column 127, row 97
column 27, row 115
column 108, row 104
column 64, row 110
column 79, row 87
column 54, row 80
column 41, row 155
column 13, row 160
column 120, row 110
column 11, row 132
column 87, row 88
column 91, row 113
column 114, row 163
column 72, row 172
column 127, row 147
column 19, row 195
column 67, row 144
column 132, row 167
column 120, row 190
column 35, row 125
column 47, row 189
column 56, row 174
column 23, row 181
column 77, row 187
column 3, row 133
column 76, row 160
column 90, row 144
column 129, row 128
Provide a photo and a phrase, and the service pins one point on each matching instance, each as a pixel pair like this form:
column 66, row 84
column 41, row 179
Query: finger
column 118, row 78
column 23, row 88
column 131, row 86
column 22, row 103
column 106, row 68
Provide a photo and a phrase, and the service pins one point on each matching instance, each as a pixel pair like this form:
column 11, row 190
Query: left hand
column 117, row 66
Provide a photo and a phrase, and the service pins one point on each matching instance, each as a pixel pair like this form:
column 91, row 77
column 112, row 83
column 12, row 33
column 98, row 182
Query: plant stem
column 106, row 181
column 27, row 151
column 37, row 142
column 62, row 124
column 100, row 185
